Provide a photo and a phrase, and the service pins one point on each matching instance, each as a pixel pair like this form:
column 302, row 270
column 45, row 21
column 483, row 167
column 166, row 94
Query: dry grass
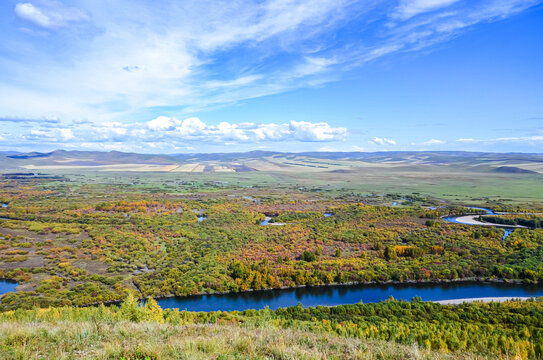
column 129, row 340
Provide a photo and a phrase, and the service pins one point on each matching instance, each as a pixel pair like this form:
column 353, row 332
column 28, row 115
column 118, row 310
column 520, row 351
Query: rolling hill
column 267, row 161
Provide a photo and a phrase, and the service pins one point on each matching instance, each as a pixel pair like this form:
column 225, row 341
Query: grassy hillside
column 388, row 330
column 134, row 341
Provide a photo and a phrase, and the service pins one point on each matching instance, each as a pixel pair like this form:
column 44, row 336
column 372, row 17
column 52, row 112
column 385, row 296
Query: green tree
column 130, row 308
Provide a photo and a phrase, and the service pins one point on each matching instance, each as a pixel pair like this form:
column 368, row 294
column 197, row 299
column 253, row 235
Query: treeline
column 508, row 330
column 534, row 223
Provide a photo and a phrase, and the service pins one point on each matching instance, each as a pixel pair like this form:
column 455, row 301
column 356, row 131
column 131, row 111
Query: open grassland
column 456, row 185
column 452, row 176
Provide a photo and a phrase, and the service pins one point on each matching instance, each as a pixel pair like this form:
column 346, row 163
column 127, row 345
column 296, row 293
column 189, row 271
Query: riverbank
column 482, row 300
column 481, row 280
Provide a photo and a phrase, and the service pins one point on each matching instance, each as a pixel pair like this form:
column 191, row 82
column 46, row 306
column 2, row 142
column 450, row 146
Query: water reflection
column 347, row 294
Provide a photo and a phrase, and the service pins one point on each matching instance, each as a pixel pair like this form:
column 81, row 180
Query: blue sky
column 284, row 75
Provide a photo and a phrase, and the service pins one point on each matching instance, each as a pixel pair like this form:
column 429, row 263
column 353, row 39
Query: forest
column 534, row 222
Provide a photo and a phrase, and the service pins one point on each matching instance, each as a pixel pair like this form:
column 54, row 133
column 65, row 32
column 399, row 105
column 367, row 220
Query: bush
column 308, row 256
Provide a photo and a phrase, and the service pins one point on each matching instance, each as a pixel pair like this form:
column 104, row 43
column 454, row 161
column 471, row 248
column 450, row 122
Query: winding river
column 348, row 294
column 471, row 220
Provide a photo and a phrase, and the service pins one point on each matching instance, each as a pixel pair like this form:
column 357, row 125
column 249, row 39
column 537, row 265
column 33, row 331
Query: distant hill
column 513, row 170
column 9, row 152
column 99, row 157
column 270, row 161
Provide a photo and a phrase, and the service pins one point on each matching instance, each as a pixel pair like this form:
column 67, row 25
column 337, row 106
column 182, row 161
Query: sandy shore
column 482, row 299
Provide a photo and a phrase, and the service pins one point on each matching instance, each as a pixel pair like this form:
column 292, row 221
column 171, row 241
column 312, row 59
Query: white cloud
column 37, row 132
column 193, row 127
column 139, row 55
column 27, row 11
column 241, row 81
column 409, row 8
column 167, row 130
column 161, row 123
column 66, row 134
column 165, row 133
column 433, row 142
column 328, row 149
column 51, row 17
column 383, row 141
column 383, row 50
column 518, row 139
column 306, row 131
column 111, row 128
column 521, row 138
column 313, row 65
column 357, row 148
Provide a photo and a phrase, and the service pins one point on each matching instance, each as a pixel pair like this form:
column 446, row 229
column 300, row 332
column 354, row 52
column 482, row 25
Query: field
column 450, row 176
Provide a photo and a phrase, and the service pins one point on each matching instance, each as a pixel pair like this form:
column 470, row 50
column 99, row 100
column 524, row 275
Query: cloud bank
column 194, row 129
column 168, row 133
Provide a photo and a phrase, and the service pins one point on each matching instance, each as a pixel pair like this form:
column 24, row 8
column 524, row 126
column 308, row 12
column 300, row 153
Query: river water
column 7, row 286
column 347, row 294
column 454, row 219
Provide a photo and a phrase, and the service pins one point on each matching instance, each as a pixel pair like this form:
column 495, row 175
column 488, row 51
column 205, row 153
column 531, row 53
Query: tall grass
column 150, row 340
